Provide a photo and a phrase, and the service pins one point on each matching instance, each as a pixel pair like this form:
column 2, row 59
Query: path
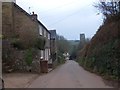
column 18, row 80
column 69, row 75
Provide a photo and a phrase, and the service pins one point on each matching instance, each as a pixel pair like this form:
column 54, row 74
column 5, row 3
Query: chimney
column 34, row 16
column 14, row 1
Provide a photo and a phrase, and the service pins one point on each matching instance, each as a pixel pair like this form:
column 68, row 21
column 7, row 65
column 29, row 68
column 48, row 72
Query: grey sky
column 68, row 17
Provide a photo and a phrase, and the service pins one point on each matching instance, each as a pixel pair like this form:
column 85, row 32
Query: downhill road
column 69, row 75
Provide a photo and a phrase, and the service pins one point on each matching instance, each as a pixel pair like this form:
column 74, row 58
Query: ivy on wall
column 40, row 43
column 29, row 56
column 16, row 43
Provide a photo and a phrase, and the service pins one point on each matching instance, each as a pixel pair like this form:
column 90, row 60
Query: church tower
column 82, row 37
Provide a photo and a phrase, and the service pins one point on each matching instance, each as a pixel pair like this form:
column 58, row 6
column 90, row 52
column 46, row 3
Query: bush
column 61, row 60
column 105, row 61
column 29, row 57
column 17, row 44
column 104, row 47
column 40, row 43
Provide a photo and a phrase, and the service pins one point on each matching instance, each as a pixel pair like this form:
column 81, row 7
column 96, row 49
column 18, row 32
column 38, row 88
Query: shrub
column 29, row 57
column 40, row 43
column 105, row 48
column 16, row 43
column 61, row 60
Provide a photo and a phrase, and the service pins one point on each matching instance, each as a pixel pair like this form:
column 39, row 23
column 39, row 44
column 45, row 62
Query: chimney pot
column 34, row 16
column 33, row 13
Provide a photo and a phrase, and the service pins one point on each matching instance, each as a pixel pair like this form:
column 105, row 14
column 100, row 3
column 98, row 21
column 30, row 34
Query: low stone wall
column 21, row 65
column 55, row 63
column 18, row 63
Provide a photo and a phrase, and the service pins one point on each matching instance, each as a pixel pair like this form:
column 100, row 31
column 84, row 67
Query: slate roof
column 22, row 10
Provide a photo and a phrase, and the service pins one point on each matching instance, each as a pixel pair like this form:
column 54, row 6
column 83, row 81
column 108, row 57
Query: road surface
column 69, row 75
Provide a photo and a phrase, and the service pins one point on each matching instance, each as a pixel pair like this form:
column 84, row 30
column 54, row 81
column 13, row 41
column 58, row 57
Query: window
column 49, row 51
column 44, row 33
column 48, row 36
column 46, row 54
column 40, row 30
column 42, row 55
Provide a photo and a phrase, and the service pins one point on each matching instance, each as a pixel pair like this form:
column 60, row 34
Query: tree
column 62, row 44
column 74, row 52
column 109, row 8
column 82, row 44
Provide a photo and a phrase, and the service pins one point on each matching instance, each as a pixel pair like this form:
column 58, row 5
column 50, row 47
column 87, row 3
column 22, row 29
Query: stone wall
column 25, row 28
column 7, row 20
column 18, row 25
column 21, row 65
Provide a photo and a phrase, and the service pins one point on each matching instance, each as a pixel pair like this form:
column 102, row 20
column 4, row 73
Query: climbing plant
column 40, row 43
column 29, row 56
column 16, row 43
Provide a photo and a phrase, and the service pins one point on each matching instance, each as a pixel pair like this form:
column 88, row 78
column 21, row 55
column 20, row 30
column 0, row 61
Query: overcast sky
column 68, row 17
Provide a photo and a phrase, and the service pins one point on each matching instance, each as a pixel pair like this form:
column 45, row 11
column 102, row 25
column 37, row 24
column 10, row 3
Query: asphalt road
column 69, row 75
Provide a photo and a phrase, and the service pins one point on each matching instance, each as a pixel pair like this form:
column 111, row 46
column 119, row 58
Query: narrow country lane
column 69, row 75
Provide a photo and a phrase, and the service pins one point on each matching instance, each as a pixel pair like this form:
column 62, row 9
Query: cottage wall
column 26, row 28
column 18, row 24
column 7, row 19
column 53, row 47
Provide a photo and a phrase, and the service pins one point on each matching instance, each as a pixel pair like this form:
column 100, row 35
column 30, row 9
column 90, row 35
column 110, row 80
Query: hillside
column 74, row 42
column 73, row 49
column 102, row 54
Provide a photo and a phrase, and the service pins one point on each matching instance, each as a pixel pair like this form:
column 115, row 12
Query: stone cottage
column 53, row 48
column 46, row 52
column 24, row 38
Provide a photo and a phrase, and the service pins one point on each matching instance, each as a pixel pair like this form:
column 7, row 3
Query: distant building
column 53, row 46
column 66, row 56
column 82, row 37
column 82, row 41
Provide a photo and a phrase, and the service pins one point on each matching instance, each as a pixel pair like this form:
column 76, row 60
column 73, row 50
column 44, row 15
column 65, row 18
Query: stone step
column 50, row 69
column 6, row 67
column 50, row 65
column 10, row 70
column 4, row 64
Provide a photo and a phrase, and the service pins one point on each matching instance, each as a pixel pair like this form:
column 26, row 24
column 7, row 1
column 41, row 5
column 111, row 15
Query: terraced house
column 25, row 40
column 53, row 37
